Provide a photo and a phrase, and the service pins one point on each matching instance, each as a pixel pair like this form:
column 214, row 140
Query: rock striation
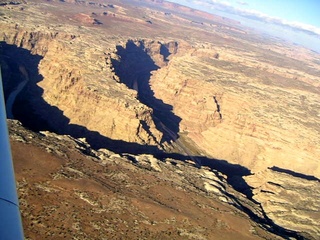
column 288, row 199
column 64, row 86
column 108, row 195
column 188, row 87
column 230, row 117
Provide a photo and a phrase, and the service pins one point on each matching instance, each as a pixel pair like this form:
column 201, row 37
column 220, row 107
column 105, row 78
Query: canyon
column 116, row 91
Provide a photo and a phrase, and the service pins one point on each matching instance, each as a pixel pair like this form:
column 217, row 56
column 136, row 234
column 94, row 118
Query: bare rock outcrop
column 136, row 88
column 233, row 115
column 289, row 199
column 107, row 195
column 108, row 108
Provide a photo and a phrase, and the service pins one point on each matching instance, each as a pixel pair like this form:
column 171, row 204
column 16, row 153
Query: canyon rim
column 148, row 119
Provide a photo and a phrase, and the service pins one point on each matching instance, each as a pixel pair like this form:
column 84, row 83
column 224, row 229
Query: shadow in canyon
column 29, row 106
column 15, row 64
column 294, row 174
column 134, row 69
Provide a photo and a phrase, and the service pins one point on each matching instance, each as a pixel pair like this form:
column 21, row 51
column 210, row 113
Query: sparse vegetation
column 169, row 120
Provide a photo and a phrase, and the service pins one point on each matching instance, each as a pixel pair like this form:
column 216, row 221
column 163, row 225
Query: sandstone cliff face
column 291, row 201
column 237, row 115
column 107, row 195
column 213, row 94
column 134, row 63
column 68, row 81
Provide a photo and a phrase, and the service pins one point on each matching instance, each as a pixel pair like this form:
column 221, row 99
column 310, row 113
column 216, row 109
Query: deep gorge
column 134, row 66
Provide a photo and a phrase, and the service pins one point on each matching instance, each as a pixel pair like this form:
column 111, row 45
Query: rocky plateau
column 150, row 120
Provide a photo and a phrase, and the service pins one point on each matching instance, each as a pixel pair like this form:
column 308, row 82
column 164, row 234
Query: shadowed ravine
column 12, row 97
column 135, row 69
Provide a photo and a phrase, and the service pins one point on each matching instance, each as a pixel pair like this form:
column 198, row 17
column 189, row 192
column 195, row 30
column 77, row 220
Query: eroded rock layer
column 236, row 115
column 289, row 199
column 65, row 94
column 140, row 77
column 68, row 190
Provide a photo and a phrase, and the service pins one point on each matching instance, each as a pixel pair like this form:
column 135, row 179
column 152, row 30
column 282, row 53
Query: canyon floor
column 151, row 120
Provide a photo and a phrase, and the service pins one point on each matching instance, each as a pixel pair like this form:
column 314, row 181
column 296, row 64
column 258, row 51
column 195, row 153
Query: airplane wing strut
column 10, row 218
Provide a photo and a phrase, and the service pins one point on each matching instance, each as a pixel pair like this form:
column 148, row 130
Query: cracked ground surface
column 64, row 193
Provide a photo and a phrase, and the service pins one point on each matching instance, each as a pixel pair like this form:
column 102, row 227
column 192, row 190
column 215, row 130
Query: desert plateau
column 146, row 119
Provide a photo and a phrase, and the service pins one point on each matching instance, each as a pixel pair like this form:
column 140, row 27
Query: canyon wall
column 230, row 111
column 73, row 86
column 260, row 116
column 233, row 103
